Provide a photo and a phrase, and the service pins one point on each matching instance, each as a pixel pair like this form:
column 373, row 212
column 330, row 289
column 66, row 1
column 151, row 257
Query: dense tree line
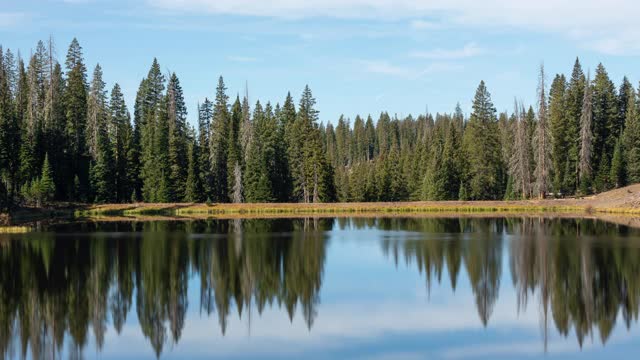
column 65, row 137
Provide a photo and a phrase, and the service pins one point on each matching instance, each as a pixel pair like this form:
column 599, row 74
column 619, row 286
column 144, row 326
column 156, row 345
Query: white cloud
column 595, row 24
column 468, row 50
column 424, row 25
column 386, row 68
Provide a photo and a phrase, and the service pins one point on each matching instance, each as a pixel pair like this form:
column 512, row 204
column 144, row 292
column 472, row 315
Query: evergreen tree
column 75, row 99
column 626, row 91
column 617, row 175
column 605, row 119
column 258, row 186
column 586, row 140
column 631, row 141
column 177, row 139
column 482, row 148
column 46, row 186
column 102, row 173
column 193, row 187
column 573, row 114
column 96, row 111
column 9, row 141
column 153, row 136
column 234, row 157
column 219, row 141
column 310, row 179
column 205, row 114
column 121, row 138
column 558, row 122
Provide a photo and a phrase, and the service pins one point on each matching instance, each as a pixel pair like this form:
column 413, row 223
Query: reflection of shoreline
column 579, row 283
column 629, row 220
column 72, row 281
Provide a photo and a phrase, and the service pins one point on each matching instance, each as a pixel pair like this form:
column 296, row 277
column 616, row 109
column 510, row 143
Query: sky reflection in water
column 323, row 288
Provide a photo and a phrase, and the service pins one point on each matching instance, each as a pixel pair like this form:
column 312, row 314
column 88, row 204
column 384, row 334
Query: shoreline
column 619, row 203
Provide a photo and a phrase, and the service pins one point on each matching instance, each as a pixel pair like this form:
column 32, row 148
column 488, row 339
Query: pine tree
column 193, row 187
column 152, row 119
column 75, row 99
column 586, row 140
column 121, row 137
column 205, row 114
column 219, row 140
column 258, row 186
column 46, row 186
column 310, row 180
column 605, row 119
column 9, row 141
column 234, row 155
column 626, row 91
column 102, row 173
column 631, row 141
column 558, row 122
column 177, row 139
column 573, row 114
column 617, row 174
column 482, row 149
column 96, row 111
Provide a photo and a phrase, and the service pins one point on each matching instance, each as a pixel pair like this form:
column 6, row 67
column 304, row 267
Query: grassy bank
column 187, row 210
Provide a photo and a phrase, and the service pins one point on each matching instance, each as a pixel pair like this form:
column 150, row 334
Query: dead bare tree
column 519, row 163
column 542, row 142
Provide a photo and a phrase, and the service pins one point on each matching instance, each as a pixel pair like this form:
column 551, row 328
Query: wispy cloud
column 424, row 25
column 597, row 24
column 469, row 50
column 384, row 67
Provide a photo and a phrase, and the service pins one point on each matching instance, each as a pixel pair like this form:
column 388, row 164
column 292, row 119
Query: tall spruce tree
column 631, row 140
column 573, row 113
column 205, row 114
column 585, row 167
column 152, row 117
column 121, row 138
column 75, row 99
column 558, row 122
column 9, row 139
column 234, row 157
column 193, row 187
column 258, row 186
column 605, row 119
column 96, row 111
column 482, row 149
column 177, row 139
column 218, row 147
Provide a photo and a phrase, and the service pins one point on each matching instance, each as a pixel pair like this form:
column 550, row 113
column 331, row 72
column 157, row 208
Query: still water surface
column 322, row 288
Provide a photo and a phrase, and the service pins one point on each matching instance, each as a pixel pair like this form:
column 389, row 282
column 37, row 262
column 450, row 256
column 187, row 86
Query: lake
column 345, row 288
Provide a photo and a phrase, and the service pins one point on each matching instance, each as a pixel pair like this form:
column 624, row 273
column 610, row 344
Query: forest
column 64, row 137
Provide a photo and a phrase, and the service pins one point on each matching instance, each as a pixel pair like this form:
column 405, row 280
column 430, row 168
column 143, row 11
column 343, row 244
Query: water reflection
column 75, row 281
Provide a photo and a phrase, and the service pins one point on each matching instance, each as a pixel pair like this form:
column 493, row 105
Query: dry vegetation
column 625, row 200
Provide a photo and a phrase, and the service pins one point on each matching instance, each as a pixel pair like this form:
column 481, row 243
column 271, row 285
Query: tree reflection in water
column 79, row 279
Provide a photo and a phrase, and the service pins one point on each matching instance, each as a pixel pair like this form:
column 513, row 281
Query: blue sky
column 358, row 56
